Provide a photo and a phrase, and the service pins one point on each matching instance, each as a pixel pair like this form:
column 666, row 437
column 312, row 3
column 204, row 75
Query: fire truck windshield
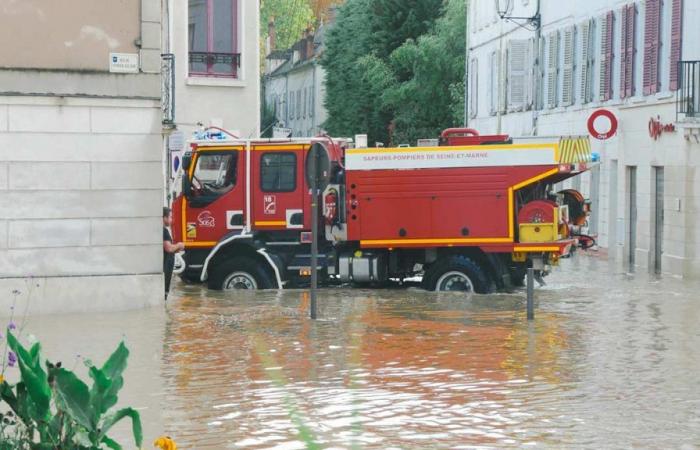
column 214, row 174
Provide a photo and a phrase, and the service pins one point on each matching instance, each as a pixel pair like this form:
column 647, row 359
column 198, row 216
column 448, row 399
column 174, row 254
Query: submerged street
column 611, row 361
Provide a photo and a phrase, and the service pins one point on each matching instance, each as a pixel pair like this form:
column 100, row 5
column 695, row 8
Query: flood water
column 611, row 361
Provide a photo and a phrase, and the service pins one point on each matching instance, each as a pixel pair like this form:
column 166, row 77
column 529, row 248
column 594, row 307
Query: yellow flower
column 165, row 443
column 2, row 379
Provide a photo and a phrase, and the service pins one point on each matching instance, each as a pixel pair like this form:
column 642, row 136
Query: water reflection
column 410, row 369
column 610, row 362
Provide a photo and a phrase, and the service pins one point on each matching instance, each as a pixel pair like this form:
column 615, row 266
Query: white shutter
column 502, row 81
column 604, row 83
column 541, row 73
column 474, row 88
column 493, row 83
column 518, row 79
column 567, row 89
column 552, row 68
column 586, row 30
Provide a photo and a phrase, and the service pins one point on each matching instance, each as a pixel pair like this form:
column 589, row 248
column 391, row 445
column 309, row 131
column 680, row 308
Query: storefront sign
column 592, row 127
column 656, row 128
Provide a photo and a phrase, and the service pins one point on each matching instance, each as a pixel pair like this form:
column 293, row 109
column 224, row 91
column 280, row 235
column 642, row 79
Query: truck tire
column 239, row 273
column 456, row 273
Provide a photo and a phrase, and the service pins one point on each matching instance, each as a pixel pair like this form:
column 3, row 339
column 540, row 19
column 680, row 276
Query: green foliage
column 351, row 99
column 395, row 69
column 430, row 95
column 291, row 19
column 59, row 409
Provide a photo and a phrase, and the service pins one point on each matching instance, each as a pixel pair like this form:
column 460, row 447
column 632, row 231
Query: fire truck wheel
column 239, row 273
column 456, row 273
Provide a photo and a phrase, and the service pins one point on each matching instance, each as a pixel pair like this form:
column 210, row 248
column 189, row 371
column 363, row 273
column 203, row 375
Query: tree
column 291, row 18
column 427, row 94
column 366, row 32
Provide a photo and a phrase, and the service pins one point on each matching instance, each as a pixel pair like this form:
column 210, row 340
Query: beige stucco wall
column 67, row 34
column 234, row 103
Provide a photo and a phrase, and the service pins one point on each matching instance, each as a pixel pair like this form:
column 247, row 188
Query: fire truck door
column 216, row 203
column 278, row 188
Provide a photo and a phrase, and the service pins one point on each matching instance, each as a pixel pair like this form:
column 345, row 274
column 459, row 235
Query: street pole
column 314, row 232
column 530, row 294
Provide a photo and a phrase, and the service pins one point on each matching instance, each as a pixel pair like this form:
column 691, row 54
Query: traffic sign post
column 317, row 176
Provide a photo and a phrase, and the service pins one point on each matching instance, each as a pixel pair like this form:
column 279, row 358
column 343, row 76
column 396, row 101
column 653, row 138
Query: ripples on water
column 611, row 361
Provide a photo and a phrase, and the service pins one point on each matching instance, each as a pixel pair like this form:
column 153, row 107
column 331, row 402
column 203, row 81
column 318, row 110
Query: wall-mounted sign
column 281, row 133
column 656, row 128
column 124, row 62
column 593, row 124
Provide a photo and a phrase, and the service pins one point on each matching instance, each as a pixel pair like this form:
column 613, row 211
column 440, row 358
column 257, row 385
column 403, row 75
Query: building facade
column 630, row 58
column 216, row 72
column 81, row 185
column 294, row 84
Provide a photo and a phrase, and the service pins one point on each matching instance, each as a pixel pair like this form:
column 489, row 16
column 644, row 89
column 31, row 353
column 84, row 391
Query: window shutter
column 474, row 88
column 676, row 38
column 493, row 83
column 567, row 89
column 502, row 82
column 585, row 32
column 606, row 55
column 518, row 67
column 552, row 68
column 627, row 49
column 652, row 22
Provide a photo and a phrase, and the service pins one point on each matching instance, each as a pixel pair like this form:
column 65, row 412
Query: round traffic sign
column 602, row 135
column 318, row 166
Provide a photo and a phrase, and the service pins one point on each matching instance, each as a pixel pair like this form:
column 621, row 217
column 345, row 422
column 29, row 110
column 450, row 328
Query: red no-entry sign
column 602, row 135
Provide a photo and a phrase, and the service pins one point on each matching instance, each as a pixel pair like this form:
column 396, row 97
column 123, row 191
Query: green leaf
column 116, row 363
column 81, row 437
column 34, row 354
column 113, row 418
column 74, row 398
column 33, row 377
column 111, row 443
column 99, row 392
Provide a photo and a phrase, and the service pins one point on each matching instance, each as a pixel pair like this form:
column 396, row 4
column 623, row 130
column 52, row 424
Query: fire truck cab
column 470, row 214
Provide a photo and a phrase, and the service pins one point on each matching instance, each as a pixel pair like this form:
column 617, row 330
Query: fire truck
column 468, row 213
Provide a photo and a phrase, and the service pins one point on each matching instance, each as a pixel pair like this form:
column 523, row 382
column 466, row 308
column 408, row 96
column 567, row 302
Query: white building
column 217, row 73
column 294, row 84
column 81, row 185
column 618, row 55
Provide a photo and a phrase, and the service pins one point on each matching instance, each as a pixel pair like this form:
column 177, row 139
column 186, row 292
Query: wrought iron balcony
column 204, row 63
column 688, row 93
column 167, row 94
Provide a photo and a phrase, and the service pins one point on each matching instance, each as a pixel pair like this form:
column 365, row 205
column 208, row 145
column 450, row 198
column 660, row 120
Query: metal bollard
column 531, row 294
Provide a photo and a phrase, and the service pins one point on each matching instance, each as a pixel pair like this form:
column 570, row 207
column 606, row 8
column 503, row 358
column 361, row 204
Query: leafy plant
column 54, row 409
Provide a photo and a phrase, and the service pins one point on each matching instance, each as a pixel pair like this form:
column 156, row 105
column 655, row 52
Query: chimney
column 271, row 35
column 309, row 43
column 303, row 47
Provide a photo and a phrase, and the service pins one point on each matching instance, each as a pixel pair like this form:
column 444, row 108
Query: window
column 567, row 82
column 652, row 44
column 552, row 69
column 519, row 67
column 311, row 103
column 215, row 174
column 299, row 104
column 628, row 22
column 606, row 55
column 291, row 106
column 587, row 32
column 278, row 172
column 213, row 38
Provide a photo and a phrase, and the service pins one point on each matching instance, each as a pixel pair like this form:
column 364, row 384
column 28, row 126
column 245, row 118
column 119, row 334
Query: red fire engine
column 471, row 213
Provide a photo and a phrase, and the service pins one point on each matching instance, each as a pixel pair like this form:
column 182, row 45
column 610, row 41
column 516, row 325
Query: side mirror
column 186, row 161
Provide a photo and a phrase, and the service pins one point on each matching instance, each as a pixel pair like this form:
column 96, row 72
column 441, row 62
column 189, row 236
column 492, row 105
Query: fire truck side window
column 215, row 174
column 278, row 172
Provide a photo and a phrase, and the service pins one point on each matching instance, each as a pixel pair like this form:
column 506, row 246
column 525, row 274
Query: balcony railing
column 688, row 93
column 167, row 94
column 215, row 64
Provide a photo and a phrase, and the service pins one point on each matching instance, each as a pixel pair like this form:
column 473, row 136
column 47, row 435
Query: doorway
column 632, row 214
